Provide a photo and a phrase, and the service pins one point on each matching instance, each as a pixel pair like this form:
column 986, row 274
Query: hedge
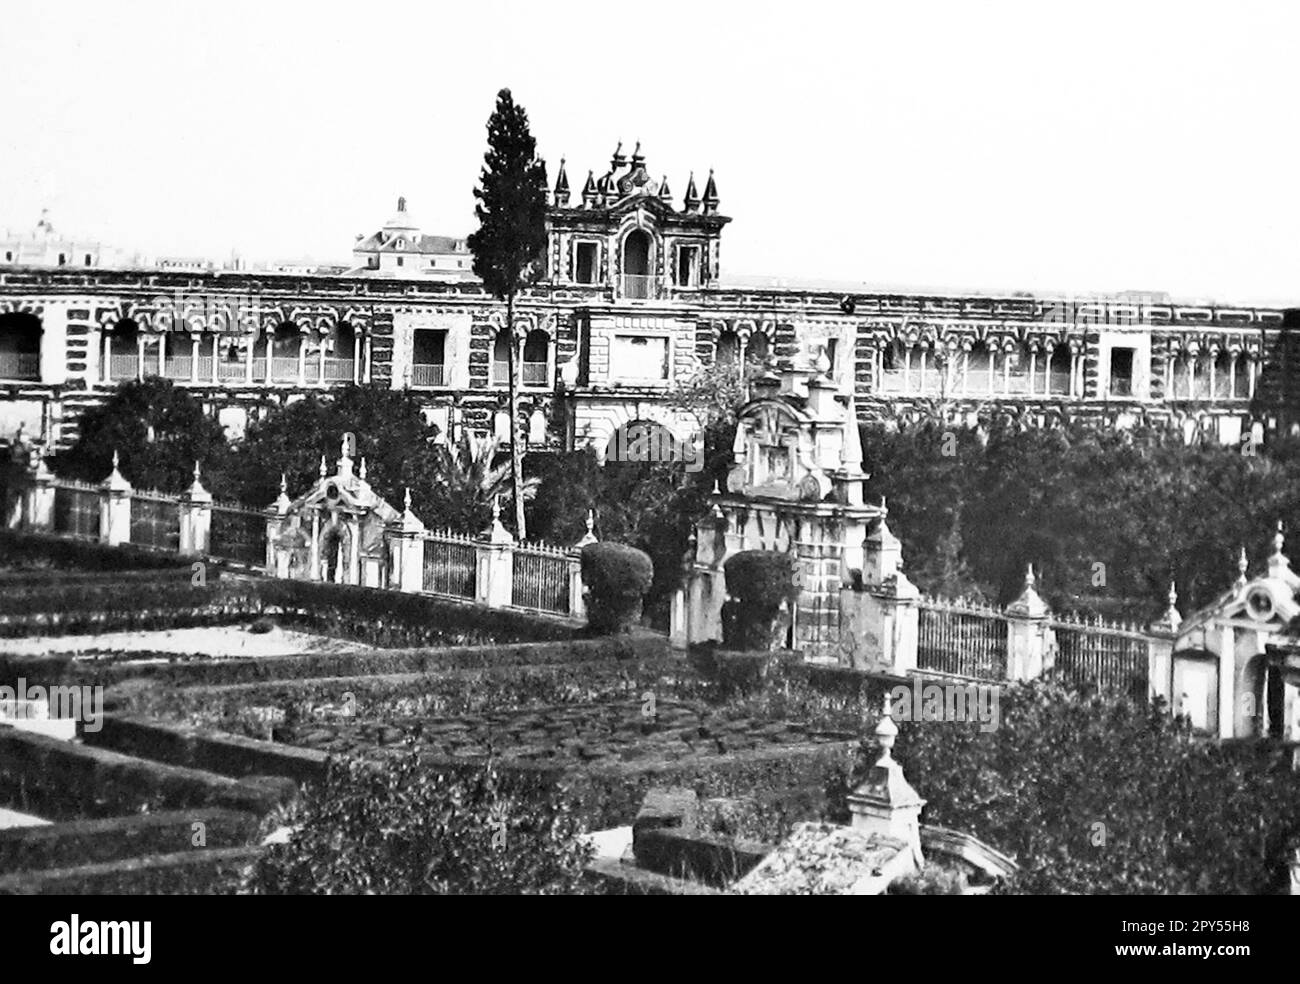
column 617, row 577
column 46, row 550
column 201, row 670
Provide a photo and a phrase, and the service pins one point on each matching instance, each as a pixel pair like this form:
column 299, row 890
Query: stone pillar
column 495, row 555
column 277, row 527
column 115, row 508
column 881, row 618
column 678, row 621
column 1295, row 870
column 577, row 601
column 353, row 573
column 1160, row 651
column 196, row 518
column 1027, row 632
column 406, row 548
column 885, row 803
column 1227, row 681
column 38, row 507
column 707, row 584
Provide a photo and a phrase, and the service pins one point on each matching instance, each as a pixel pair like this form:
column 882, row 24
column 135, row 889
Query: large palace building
column 631, row 303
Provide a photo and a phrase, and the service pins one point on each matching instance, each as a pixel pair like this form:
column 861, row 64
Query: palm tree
column 470, row 478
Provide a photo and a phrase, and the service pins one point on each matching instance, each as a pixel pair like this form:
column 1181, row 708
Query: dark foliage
column 159, row 431
column 617, row 577
column 399, row 828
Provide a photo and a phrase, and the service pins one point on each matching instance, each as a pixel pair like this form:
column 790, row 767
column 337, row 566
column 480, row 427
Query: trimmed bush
column 404, row 829
column 617, row 577
column 759, row 583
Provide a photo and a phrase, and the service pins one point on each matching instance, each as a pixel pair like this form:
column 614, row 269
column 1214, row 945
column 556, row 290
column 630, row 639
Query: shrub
column 617, row 577
column 931, row 880
column 261, row 626
column 759, row 582
column 399, row 828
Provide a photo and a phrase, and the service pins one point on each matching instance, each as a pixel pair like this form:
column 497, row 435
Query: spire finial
column 1173, row 595
column 883, row 508
column 1242, row 565
column 361, row 472
column 196, row 471
column 406, row 499
column 717, row 490
column 496, row 499
column 284, row 482
column 323, row 468
column 886, row 730
column 1278, row 539
column 1030, row 580
column 591, row 522
column 115, row 459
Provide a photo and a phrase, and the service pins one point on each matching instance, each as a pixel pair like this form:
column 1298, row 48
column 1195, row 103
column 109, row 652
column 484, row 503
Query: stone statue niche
column 334, row 532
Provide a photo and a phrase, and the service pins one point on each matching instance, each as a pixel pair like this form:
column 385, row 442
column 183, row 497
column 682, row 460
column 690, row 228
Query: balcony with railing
column 640, row 287
column 20, row 365
column 535, row 373
column 428, row 374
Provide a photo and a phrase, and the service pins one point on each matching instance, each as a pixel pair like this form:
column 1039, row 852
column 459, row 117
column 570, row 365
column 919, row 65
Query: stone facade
column 631, row 302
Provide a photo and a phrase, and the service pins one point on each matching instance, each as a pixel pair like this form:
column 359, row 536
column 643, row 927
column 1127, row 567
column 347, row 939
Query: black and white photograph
column 671, row 449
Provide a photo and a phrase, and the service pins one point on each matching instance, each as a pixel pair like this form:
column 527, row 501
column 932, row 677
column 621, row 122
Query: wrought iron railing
column 541, row 578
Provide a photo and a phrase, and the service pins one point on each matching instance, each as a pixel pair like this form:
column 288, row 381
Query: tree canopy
column 158, row 431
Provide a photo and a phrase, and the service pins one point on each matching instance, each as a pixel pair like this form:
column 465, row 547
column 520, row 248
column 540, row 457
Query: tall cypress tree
column 509, row 246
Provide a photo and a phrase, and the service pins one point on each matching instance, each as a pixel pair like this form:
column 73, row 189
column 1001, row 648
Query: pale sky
column 1001, row 146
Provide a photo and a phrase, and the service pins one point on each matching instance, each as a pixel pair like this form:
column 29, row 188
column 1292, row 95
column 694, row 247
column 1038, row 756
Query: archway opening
column 501, row 359
column 124, row 350
column 537, row 349
column 636, row 264
column 20, row 346
column 285, row 342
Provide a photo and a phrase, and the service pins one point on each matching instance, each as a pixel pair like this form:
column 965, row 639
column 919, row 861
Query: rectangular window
column 429, row 358
column 640, row 358
column 831, row 345
column 1121, row 372
column 688, row 266
column 584, row 263
column 399, row 261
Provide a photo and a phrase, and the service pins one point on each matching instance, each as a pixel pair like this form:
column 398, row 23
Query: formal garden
column 437, row 746
column 351, row 739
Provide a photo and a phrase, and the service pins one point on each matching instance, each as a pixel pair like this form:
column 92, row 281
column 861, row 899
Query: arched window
column 501, row 359
column 285, row 343
column 537, row 352
column 1059, row 367
column 341, row 364
column 1222, row 376
column 727, row 350
column 980, row 368
column 124, row 350
column 1241, row 377
column 757, row 348
column 181, row 350
column 20, row 346
column 637, row 278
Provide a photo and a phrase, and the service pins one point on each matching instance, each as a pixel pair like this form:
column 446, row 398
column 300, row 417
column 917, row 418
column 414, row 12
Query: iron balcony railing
column 640, row 287
column 20, row 365
column 428, row 374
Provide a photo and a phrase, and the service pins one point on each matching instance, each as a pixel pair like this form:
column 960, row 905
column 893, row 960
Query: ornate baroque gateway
column 630, row 304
